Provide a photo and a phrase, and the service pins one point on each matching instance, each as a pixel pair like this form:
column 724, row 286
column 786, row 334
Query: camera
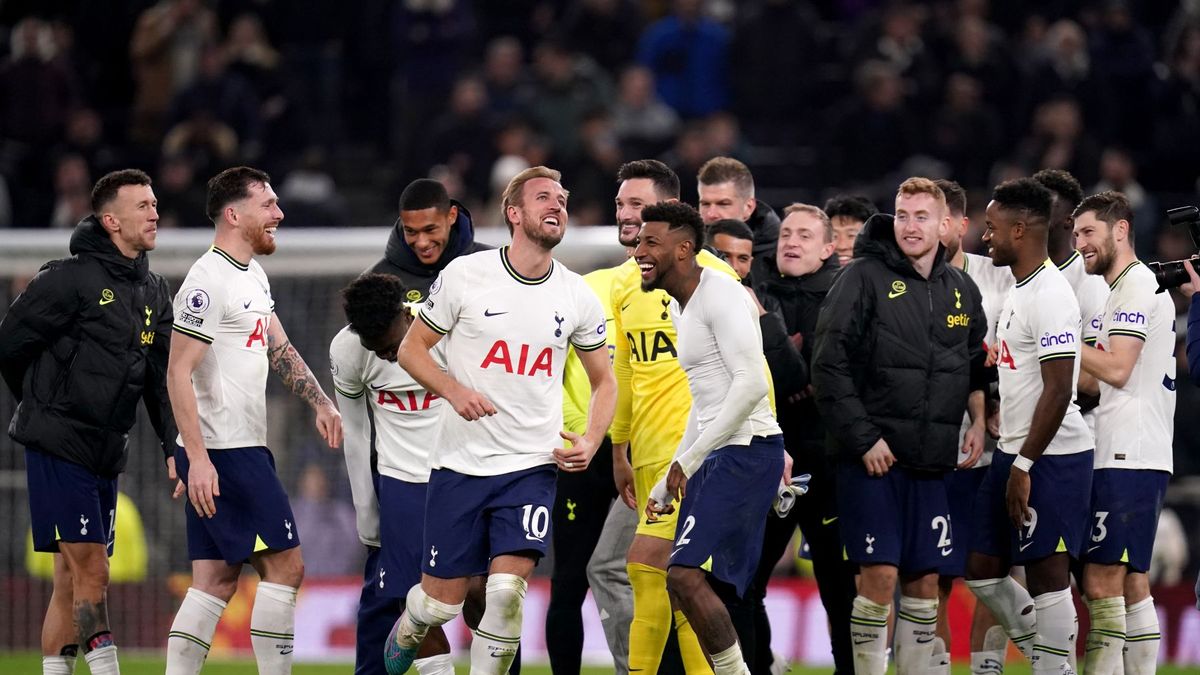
column 1172, row 274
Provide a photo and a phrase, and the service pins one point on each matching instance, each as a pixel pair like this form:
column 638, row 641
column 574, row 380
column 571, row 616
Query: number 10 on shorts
column 536, row 521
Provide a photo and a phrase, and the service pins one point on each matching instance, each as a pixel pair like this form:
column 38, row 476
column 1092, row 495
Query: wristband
column 1023, row 463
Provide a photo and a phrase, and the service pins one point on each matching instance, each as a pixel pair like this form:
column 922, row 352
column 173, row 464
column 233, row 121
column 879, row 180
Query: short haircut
column 1025, row 194
column 666, row 182
column 110, row 184
column 1109, row 206
column 956, row 196
column 677, row 215
column 425, row 193
column 372, row 302
column 826, row 223
column 514, row 195
column 727, row 170
column 732, row 227
column 918, row 185
column 856, row 207
column 1062, row 184
column 231, row 185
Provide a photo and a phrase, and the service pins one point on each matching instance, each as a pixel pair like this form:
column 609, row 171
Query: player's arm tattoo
column 290, row 367
column 90, row 618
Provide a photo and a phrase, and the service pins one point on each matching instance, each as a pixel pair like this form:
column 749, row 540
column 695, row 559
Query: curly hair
column 372, row 302
column 677, row 215
column 1025, row 194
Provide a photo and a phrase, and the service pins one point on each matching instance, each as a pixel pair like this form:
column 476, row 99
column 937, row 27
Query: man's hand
column 993, row 354
column 180, row 488
column 788, row 463
column 676, row 482
column 623, row 476
column 470, row 404
column 1193, row 285
column 878, row 459
column 329, row 424
column 203, row 486
column 664, row 494
column 972, row 445
column 1017, row 497
column 576, row 458
column 992, row 406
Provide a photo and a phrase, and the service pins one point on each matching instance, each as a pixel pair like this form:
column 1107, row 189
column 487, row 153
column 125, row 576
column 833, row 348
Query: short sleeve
column 1092, row 299
column 590, row 333
column 345, row 364
column 200, row 305
column 441, row 308
column 1130, row 313
column 1056, row 328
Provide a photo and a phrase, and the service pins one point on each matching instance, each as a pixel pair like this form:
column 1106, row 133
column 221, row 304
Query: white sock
column 192, row 632
column 422, row 612
column 990, row 659
column 939, row 663
column 1141, row 637
column 916, row 623
column 442, row 664
column 499, row 633
column 1010, row 603
column 103, row 661
column 1106, row 638
column 730, row 662
column 1055, row 639
column 272, row 628
column 58, row 665
column 868, row 631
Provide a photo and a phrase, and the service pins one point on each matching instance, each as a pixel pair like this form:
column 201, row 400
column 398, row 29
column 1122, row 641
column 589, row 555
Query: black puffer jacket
column 399, row 259
column 88, row 338
column 897, row 354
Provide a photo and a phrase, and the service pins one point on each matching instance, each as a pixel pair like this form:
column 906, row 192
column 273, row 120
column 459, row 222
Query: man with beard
column 898, row 359
column 803, row 268
column 1032, row 508
column 66, row 355
column 726, row 189
column 508, row 317
column 227, row 336
column 1134, row 361
column 727, row 467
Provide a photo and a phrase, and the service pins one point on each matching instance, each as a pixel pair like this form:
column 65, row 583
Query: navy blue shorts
column 401, row 506
column 253, row 513
column 900, row 518
column 724, row 510
column 961, row 488
column 471, row 519
column 1125, row 508
column 1059, row 497
column 69, row 503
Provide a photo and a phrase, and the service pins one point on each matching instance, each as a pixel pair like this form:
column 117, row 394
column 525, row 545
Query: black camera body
column 1172, row 274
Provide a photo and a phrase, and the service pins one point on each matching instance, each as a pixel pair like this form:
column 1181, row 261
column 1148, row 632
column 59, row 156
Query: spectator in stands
column 1124, row 55
column 1118, row 172
column 462, row 136
column 567, row 86
column 873, row 133
column 504, row 74
column 688, row 54
column 206, row 142
column 774, row 42
column 311, row 193
column 686, row 156
column 165, row 53
column 180, row 198
column 726, row 189
column 328, row 524
column 37, row 93
column 606, row 30
column 227, row 97
column 72, row 192
column 1066, row 68
column 897, row 42
column 644, row 124
column 847, row 213
column 1178, row 126
column 1059, row 140
column 966, row 131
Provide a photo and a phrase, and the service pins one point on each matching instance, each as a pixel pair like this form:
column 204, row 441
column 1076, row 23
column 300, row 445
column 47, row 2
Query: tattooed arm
column 290, row 367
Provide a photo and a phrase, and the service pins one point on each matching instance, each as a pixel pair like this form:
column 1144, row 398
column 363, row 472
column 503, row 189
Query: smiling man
column 898, row 356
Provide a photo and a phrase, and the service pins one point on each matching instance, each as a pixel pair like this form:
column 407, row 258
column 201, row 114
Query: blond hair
column 514, row 195
column 809, row 209
column 918, row 185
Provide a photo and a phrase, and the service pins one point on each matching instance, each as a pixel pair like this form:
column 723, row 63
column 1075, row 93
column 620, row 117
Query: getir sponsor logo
column 957, row 320
column 1129, row 317
column 1064, row 338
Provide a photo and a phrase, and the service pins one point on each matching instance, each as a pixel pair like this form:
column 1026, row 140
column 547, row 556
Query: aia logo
column 260, row 333
column 1005, row 358
column 398, row 400
column 500, row 356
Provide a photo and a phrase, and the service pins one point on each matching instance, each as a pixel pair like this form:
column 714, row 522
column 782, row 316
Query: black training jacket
column 896, row 355
column 400, row 260
column 88, row 338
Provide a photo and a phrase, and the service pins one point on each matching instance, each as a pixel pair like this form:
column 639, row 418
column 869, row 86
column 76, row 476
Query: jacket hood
column 764, row 222
column 462, row 236
column 90, row 240
column 878, row 240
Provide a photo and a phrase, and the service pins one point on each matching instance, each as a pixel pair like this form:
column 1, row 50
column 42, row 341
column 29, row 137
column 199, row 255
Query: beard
column 536, row 235
column 260, row 242
column 952, row 249
column 631, row 241
column 1106, row 255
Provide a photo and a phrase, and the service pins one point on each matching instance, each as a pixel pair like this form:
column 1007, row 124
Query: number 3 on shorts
column 536, row 521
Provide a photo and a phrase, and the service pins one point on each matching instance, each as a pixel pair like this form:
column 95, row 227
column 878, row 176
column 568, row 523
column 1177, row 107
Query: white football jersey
column 405, row 414
column 1135, row 423
column 506, row 337
column 1039, row 322
column 994, row 284
column 228, row 305
column 1091, row 292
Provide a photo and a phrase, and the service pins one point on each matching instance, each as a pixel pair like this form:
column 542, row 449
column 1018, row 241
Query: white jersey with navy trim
column 993, row 283
column 1039, row 322
column 506, row 337
column 1135, row 424
column 227, row 304
column 405, row 414
column 1091, row 292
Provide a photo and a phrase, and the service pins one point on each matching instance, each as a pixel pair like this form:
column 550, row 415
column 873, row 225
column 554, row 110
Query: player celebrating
column 362, row 358
column 1032, row 506
column 508, row 317
column 1134, row 360
column 727, row 466
column 226, row 337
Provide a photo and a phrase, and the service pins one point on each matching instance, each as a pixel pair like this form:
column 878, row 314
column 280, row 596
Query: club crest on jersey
column 559, row 320
column 413, row 296
column 436, row 286
column 957, row 300
column 1064, row 338
column 197, row 301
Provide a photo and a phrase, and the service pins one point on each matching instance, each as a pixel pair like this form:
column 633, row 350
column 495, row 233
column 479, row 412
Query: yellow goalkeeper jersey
column 577, row 390
column 653, row 400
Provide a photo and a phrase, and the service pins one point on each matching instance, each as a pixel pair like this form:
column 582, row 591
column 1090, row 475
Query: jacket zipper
column 929, row 363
